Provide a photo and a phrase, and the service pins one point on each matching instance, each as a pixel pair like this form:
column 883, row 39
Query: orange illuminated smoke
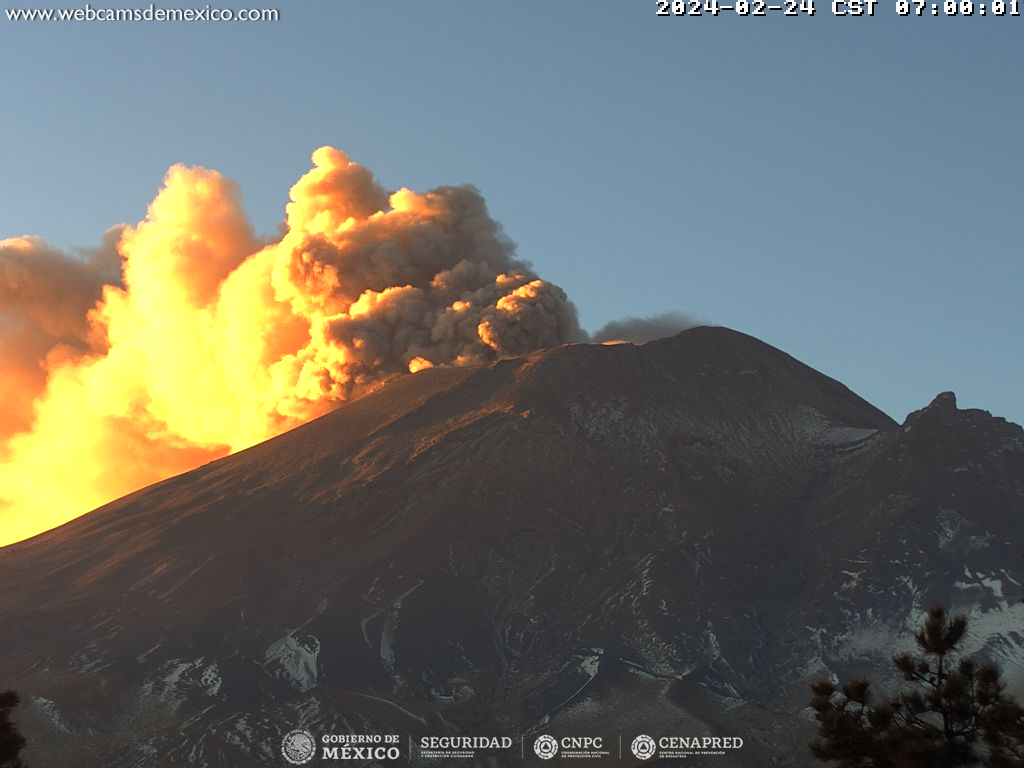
column 210, row 340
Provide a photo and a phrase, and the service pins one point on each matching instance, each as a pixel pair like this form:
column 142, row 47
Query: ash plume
column 186, row 337
column 640, row 330
column 45, row 298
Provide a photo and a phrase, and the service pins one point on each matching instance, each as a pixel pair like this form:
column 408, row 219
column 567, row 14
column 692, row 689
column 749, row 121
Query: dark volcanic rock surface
column 673, row 538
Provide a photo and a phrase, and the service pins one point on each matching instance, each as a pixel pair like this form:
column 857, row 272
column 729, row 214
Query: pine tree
column 11, row 741
column 955, row 713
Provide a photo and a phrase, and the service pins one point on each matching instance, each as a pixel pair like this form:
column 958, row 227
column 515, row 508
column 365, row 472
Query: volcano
column 667, row 539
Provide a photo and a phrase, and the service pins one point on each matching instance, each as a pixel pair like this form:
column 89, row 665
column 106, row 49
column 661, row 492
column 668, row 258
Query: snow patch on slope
column 51, row 713
column 292, row 659
column 815, row 427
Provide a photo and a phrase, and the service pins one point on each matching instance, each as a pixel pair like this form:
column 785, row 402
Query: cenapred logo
column 298, row 747
column 546, row 747
column 644, row 747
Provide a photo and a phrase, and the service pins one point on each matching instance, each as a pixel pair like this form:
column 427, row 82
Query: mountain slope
column 674, row 537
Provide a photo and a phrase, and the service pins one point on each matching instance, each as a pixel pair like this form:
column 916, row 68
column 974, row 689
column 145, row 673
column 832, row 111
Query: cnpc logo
column 547, row 746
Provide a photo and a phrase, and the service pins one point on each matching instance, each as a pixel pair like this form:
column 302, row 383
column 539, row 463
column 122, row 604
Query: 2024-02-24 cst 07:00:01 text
column 838, row 7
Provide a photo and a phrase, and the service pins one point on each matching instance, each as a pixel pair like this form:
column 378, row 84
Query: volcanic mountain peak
column 678, row 535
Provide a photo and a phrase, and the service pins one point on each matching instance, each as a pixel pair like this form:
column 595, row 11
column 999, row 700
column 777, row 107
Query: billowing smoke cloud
column 193, row 338
column 640, row 330
column 45, row 297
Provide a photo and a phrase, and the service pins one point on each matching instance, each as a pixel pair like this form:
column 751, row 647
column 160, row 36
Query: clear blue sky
column 847, row 189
